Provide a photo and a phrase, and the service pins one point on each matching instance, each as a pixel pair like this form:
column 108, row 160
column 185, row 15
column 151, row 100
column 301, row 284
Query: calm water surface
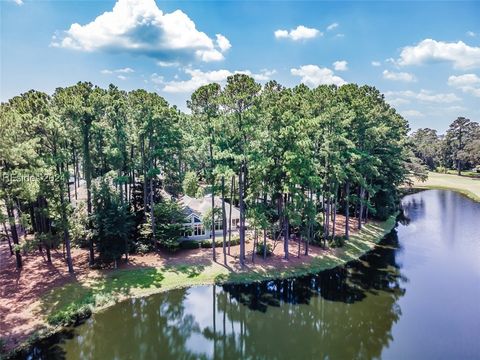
column 417, row 296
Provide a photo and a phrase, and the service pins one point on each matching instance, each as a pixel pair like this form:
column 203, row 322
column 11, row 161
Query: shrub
column 338, row 241
column 73, row 313
column 190, row 244
column 260, row 248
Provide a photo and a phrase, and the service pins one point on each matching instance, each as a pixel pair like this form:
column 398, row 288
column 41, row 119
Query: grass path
column 467, row 186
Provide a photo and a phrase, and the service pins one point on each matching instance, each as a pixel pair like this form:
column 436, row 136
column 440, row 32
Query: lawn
column 69, row 303
column 465, row 185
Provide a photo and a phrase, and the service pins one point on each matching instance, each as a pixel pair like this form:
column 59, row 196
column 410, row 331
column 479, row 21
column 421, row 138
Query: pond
column 416, row 296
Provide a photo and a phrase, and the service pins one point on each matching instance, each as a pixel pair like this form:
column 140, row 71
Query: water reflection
column 343, row 312
column 348, row 312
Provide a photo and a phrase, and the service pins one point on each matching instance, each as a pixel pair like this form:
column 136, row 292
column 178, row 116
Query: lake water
column 416, row 296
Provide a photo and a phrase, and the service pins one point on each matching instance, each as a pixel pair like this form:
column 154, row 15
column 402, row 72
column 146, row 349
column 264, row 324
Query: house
column 195, row 210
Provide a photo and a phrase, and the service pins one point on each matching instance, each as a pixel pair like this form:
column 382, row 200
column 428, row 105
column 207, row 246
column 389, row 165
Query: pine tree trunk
column 214, row 255
column 8, row 238
column 66, row 236
column 224, row 223
column 152, row 215
column 347, row 210
column 13, row 232
column 286, row 229
column 88, row 180
column 242, row 212
column 360, row 213
column 232, row 192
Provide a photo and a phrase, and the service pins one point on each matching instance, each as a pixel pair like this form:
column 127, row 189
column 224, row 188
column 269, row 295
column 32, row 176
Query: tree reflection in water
column 346, row 312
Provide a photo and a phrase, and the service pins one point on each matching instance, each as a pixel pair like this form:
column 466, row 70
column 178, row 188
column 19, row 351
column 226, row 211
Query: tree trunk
column 264, row 244
column 232, row 192
column 224, row 223
column 334, row 212
column 242, row 211
column 360, row 213
column 13, row 231
column 8, row 238
column 66, row 236
column 347, row 210
column 255, row 241
column 286, row 229
column 152, row 215
column 214, row 255
column 88, row 179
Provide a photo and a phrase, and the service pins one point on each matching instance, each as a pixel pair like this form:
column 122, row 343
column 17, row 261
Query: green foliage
column 169, row 217
column 260, row 248
column 73, row 313
column 78, row 230
column 190, row 184
column 200, row 192
column 112, row 223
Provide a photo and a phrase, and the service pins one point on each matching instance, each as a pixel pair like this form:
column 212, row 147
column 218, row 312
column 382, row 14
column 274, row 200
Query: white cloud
column 199, row 78
column 340, row 65
column 376, row 63
column 332, row 26
column 340, row 35
column 223, row 43
column 121, row 77
column 398, row 76
column 299, row 33
column 167, row 63
column 139, row 26
column 422, row 96
column 314, row 75
column 18, row 2
column 157, row 79
column 126, row 70
column 411, row 113
column 460, row 54
column 398, row 101
column 468, row 83
column 471, row 34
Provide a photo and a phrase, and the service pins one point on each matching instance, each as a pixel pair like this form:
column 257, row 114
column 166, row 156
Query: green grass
column 70, row 303
column 467, row 186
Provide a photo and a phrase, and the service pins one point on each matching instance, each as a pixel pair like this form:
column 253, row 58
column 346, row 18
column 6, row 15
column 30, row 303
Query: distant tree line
column 101, row 163
column 458, row 148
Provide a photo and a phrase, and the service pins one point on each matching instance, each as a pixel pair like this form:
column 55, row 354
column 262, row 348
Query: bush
column 338, row 241
column 260, row 248
column 190, row 244
column 73, row 313
column 441, row 169
column 219, row 242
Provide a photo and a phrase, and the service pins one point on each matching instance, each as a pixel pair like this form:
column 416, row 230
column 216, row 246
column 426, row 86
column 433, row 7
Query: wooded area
column 290, row 158
column 458, row 148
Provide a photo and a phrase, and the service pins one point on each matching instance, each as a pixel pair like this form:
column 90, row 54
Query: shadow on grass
column 72, row 303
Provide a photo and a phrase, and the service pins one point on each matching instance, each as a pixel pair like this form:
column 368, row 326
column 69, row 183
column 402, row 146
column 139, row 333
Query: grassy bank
column 75, row 301
column 468, row 186
column 64, row 304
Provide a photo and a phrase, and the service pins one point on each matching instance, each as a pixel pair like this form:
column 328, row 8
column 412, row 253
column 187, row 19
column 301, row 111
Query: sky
column 424, row 56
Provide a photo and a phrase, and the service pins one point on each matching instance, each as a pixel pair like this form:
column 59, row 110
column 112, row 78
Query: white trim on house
column 195, row 209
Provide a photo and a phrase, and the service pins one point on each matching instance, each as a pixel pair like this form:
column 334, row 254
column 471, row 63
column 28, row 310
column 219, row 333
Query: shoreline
column 464, row 185
column 359, row 244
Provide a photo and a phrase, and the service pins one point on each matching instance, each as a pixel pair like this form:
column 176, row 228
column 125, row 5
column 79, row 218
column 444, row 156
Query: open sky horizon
column 424, row 56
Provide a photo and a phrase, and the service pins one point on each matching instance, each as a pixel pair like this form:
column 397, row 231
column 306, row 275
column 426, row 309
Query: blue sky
column 425, row 56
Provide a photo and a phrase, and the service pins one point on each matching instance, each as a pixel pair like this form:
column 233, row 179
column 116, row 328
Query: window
column 198, row 230
column 218, row 225
column 188, row 232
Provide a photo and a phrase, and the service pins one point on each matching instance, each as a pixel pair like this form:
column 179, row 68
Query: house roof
column 200, row 206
